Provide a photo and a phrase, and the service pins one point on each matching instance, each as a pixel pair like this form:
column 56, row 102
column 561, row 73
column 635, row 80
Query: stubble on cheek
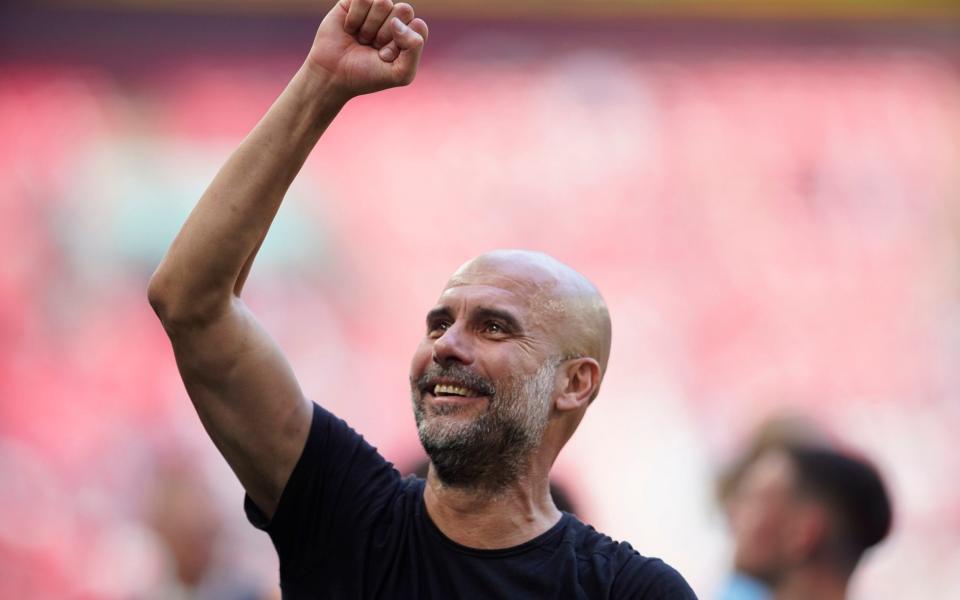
column 487, row 450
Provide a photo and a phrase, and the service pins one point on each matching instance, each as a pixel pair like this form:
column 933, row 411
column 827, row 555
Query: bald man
column 514, row 353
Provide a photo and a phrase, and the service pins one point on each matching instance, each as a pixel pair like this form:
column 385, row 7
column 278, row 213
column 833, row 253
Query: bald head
column 513, row 353
column 561, row 300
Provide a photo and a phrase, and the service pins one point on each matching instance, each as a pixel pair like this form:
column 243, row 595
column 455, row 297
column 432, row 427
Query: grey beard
column 488, row 453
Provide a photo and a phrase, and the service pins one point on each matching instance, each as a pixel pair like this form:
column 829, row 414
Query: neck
column 481, row 519
column 818, row 583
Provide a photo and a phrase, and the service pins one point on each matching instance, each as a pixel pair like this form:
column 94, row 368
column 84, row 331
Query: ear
column 807, row 531
column 579, row 381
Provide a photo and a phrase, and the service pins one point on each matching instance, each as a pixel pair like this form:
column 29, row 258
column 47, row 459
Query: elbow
column 160, row 296
column 178, row 307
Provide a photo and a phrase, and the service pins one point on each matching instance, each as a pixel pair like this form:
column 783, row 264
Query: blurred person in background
column 181, row 510
column 775, row 432
column 803, row 512
column 514, row 353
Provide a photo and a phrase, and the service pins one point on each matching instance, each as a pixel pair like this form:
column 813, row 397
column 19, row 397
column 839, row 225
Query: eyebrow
column 438, row 313
column 483, row 314
column 480, row 314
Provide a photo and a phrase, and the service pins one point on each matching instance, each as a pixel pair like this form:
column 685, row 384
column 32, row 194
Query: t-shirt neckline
column 540, row 540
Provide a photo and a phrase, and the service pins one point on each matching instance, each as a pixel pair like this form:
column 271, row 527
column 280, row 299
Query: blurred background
column 767, row 193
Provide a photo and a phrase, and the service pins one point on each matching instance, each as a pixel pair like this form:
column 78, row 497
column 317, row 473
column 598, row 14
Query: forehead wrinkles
column 538, row 297
column 565, row 305
column 535, row 280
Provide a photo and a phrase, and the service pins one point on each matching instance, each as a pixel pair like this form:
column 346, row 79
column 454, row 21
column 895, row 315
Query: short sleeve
column 650, row 579
column 335, row 492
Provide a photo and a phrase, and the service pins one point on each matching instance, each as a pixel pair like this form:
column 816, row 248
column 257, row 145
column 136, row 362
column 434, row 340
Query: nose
column 455, row 345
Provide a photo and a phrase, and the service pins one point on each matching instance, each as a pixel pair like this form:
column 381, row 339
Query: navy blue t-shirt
column 349, row 526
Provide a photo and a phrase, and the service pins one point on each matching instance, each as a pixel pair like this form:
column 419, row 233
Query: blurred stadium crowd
column 771, row 208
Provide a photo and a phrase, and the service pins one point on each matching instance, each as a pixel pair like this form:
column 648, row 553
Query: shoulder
column 651, row 578
column 633, row 575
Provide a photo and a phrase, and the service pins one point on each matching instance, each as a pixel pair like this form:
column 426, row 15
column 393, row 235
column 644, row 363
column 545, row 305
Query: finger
column 377, row 16
column 402, row 11
column 420, row 26
column 410, row 44
column 406, row 37
column 339, row 11
column 356, row 15
column 390, row 52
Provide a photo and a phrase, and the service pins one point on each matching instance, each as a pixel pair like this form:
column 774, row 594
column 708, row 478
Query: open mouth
column 450, row 399
column 452, row 389
column 442, row 390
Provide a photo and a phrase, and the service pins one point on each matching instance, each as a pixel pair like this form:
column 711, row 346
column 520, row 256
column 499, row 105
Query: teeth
column 443, row 388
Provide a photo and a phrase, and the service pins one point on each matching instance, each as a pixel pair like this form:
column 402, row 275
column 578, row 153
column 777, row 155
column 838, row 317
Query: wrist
column 322, row 86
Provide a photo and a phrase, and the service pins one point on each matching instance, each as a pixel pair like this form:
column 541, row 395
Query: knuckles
column 369, row 23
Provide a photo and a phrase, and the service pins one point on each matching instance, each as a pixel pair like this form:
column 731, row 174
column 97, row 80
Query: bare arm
column 237, row 377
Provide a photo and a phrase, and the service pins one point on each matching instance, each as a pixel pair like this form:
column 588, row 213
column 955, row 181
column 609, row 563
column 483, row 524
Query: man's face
column 482, row 380
column 761, row 514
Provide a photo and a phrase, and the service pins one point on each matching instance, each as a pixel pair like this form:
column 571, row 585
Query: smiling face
column 515, row 339
column 483, row 377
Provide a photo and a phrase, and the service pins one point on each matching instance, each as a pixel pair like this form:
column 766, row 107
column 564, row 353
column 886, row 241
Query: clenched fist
column 364, row 46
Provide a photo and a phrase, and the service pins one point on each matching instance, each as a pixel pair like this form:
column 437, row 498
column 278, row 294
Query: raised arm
column 238, row 379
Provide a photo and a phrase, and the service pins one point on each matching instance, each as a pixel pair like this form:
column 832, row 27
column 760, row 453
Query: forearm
column 243, row 387
column 207, row 262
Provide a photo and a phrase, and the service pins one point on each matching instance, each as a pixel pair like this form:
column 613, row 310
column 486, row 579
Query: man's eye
column 494, row 328
column 438, row 327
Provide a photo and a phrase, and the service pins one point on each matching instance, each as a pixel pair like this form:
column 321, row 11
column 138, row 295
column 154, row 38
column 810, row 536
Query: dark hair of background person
column 854, row 493
column 776, row 432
